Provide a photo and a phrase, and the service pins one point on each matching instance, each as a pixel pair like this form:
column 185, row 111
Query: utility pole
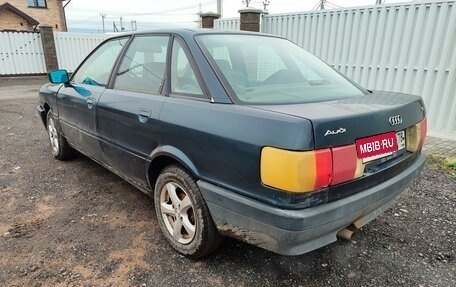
column 246, row 2
column 121, row 25
column 219, row 7
column 379, row 2
column 266, row 4
column 322, row 4
column 103, row 16
column 199, row 21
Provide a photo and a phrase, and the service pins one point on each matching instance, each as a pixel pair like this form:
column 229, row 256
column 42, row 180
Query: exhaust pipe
column 345, row 234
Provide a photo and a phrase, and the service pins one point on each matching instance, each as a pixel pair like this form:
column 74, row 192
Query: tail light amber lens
column 296, row 171
column 423, row 125
column 416, row 135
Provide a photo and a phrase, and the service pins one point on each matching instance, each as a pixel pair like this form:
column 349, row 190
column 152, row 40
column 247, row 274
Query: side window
column 143, row 66
column 183, row 79
column 97, row 68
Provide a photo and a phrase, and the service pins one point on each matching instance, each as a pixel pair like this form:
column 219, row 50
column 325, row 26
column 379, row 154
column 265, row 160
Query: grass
column 452, row 166
column 448, row 164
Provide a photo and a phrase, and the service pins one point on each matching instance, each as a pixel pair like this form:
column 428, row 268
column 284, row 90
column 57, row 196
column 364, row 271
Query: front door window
column 96, row 70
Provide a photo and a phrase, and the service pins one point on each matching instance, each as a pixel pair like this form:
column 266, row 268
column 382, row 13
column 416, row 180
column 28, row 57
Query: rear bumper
column 293, row 232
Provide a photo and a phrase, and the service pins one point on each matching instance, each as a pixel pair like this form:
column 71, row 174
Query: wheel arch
column 164, row 156
column 42, row 112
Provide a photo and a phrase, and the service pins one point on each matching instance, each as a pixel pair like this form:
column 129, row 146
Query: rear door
column 76, row 102
column 127, row 115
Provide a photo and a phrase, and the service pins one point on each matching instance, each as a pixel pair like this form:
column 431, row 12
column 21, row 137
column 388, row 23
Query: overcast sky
column 85, row 14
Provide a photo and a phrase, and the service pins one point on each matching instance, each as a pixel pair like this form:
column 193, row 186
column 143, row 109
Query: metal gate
column 21, row 53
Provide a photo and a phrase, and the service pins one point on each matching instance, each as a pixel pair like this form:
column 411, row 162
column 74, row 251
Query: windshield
column 268, row 70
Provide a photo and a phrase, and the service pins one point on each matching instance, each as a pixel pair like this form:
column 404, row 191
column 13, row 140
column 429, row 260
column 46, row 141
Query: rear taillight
column 296, row 171
column 305, row 171
column 416, row 135
column 346, row 165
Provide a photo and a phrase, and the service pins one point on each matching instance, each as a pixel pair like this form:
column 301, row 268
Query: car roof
column 191, row 31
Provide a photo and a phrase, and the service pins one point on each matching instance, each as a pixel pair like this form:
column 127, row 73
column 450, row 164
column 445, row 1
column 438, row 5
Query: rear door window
column 183, row 77
column 144, row 64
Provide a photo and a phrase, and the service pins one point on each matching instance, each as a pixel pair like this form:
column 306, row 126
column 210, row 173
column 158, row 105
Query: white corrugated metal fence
column 21, row 53
column 228, row 24
column 402, row 47
column 72, row 48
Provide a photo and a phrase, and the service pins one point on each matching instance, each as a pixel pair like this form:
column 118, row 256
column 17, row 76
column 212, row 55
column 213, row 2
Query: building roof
column 11, row 8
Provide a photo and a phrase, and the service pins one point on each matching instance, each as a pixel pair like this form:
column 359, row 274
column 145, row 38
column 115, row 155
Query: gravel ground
column 76, row 224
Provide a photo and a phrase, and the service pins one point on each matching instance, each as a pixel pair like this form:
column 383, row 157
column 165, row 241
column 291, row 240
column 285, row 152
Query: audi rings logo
column 395, row 120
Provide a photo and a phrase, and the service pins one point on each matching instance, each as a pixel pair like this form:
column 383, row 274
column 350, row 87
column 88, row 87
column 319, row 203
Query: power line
column 315, row 7
column 188, row 7
column 332, row 5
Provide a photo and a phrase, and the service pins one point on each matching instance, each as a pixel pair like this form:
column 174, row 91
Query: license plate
column 375, row 147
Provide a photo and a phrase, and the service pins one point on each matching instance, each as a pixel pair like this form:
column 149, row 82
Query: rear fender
column 173, row 153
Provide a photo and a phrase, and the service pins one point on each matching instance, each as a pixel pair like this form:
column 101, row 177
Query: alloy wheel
column 178, row 212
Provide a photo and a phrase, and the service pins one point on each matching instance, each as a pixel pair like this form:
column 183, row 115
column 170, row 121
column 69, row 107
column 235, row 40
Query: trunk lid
column 341, row 122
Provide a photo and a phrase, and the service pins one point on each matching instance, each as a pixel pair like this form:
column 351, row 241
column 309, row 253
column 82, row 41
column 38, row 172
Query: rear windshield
column 268, row 70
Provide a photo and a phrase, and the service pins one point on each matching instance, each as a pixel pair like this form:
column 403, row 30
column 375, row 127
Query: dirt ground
column 76, row 224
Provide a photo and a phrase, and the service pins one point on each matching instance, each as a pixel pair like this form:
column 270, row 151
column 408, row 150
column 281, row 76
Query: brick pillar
column 207, row 19
column 250, row 19
column 50, row 54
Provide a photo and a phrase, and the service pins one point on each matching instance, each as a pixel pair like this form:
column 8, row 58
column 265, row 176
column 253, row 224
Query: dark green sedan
column 237, row 134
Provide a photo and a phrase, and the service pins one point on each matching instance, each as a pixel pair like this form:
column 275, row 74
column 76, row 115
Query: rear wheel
column 183, row 215
column 59, row 147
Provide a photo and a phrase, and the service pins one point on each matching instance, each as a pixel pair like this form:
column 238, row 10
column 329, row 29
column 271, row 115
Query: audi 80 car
column 237, row 134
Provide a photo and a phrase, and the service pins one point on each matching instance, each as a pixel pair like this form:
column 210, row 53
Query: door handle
column 90, row 103
column 144, row 115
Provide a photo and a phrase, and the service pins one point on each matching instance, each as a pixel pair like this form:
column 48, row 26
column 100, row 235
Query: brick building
column 27, row 15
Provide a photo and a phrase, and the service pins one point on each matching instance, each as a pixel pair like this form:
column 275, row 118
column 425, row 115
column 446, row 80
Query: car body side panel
column 224, row 141
column 127, row 124
column 77, row 104
column 47, row 96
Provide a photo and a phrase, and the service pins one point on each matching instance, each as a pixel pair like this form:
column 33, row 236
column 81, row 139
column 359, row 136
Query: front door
column 77, row 101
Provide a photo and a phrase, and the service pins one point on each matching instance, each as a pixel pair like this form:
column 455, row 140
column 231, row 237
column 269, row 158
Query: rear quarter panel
column 224, row 141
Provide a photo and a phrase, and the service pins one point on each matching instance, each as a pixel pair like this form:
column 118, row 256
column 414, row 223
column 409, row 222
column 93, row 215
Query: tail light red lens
column 346, row 165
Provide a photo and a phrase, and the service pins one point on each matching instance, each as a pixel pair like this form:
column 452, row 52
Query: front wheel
column 183, row 215
column 59, row 147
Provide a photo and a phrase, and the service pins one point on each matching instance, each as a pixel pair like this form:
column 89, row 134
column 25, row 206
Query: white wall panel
column 21, row 53
column 72, row 48
column 227, row 24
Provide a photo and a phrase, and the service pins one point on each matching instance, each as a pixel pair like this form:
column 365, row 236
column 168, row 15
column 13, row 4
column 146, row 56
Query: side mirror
column 58, row 76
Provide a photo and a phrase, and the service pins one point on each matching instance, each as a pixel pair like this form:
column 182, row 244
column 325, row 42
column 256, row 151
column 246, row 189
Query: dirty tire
column 59, row 146
column 183, row 214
